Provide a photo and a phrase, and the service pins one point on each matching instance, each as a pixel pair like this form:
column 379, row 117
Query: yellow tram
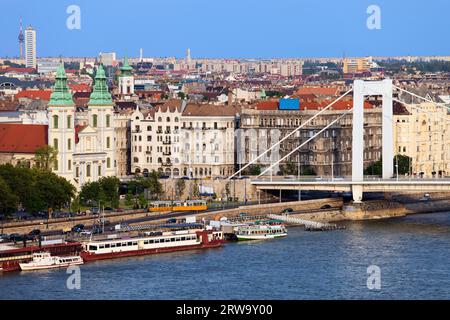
column 189, row 205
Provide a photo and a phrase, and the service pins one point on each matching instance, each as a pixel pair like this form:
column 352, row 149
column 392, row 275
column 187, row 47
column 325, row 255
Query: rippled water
column 413, row 254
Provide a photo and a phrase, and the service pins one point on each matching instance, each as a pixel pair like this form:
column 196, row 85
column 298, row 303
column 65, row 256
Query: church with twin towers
column 84, row 139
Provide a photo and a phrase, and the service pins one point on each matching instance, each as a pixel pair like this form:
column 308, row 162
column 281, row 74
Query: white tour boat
column 43, row 260
column 261, row 232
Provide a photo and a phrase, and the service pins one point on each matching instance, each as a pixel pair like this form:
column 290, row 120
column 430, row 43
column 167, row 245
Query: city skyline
column 333, row 29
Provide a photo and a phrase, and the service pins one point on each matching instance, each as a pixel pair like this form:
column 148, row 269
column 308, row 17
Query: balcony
column 167, row 142
column 167, row 153
column 167, row 164
column 159, row 131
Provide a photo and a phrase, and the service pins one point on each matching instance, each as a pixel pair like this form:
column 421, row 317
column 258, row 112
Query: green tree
column 404, row 164
column 110, row 190
column 195, row 190
column 289, row 168
column 19, row 179
column 91, row 192
column 180, row 186
column 8, row 200
column 52, row 192
column 152, row 184
column 45, row 157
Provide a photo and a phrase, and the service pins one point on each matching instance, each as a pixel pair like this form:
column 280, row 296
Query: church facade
column 85, row 140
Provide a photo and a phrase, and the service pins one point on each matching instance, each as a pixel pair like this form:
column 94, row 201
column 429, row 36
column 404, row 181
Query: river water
column 412, row 253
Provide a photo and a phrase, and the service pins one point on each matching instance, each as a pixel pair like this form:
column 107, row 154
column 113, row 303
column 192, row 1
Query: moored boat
column 151, row 244
column 260, row 232
column 44, row 260
column 10, row 258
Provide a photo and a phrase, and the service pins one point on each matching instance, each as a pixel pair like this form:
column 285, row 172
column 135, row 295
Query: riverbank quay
column 321, row 210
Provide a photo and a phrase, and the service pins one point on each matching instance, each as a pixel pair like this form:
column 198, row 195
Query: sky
column 230, row 29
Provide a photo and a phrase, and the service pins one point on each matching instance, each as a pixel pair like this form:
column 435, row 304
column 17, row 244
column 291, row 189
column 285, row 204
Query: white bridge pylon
column 361, row 89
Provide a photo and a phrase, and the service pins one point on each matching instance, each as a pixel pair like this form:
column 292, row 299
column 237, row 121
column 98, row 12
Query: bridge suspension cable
column 307, row 141
column 288, row 135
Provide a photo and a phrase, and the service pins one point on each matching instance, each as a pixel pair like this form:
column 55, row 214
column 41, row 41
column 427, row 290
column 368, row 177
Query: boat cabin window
column 92, row 248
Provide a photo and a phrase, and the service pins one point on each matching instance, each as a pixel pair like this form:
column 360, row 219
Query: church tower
column 126, row 79
column 61, row 125
column 101, row 122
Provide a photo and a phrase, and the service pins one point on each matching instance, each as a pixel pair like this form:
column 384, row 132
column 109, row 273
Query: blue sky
column 231, row 28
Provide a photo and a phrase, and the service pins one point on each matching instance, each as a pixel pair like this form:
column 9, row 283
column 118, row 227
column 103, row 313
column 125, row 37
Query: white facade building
column 30, row 47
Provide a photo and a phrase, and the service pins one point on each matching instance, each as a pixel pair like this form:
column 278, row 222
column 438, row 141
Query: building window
column 99, row 171
column 69, row 165
column 108, row 162
column 108, row 142
column 55, row 144
column 55, row 122
column 56, row 165
column 88, row 170
column 94, row 120
column 69, row 144
column 108, row 120
column 77, row 172
column 69, row 122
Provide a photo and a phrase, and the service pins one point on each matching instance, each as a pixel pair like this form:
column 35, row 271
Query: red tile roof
column 20, row 70
column 22, row 138
column 339, row 105
column 267, row 105
column 35, row 94
column 318, row 91
column 80, row 87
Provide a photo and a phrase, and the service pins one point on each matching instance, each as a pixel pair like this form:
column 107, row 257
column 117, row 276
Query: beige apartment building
column 424, row 135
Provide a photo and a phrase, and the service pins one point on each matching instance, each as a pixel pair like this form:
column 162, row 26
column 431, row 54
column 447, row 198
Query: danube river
column 413, row 255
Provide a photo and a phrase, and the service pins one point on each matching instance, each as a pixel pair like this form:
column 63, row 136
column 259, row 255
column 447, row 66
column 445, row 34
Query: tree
column 289, row 168
column 152, row 184
column 35, row 190
column 180, row 186
column 8, row 200
column 181, row 95
column 46, row 157
column 309, row 171
column 195, row 190
column 51, row 192
column 110, row 190
column 91, row 192
column 227, row 190
column 404, row 164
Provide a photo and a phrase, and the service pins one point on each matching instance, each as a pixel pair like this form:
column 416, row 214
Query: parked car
column 325, row 206
column 95, row 210
column 78, row 228
column 34, row 233
column 85, row 233
column 184, row 178
column 242, row 214
column 287, row 210
column 4, row 237
column 97, row 230
column 15, row 237
column 173, row 220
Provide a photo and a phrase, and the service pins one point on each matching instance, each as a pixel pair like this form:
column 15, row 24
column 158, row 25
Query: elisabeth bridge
column 357, row 184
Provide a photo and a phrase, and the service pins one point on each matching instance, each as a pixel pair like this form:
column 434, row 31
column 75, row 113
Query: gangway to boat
column 309, row 225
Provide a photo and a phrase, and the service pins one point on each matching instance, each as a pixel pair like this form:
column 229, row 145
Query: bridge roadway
column 404, row 185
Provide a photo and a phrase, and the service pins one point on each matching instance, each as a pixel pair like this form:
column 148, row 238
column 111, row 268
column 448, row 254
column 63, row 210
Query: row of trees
column 403, row 162
column 33, row 189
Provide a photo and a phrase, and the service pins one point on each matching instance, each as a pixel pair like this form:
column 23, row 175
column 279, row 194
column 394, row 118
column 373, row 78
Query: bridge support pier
column 357, row 192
